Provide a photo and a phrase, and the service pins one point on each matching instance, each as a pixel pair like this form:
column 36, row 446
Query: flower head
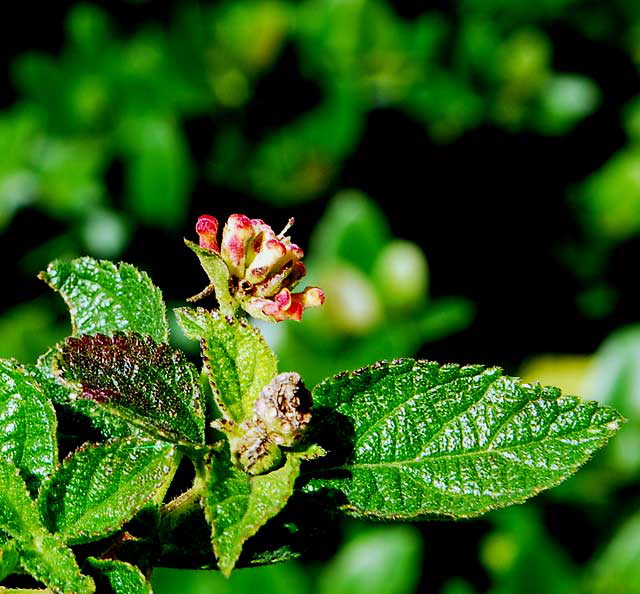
column 264, row 267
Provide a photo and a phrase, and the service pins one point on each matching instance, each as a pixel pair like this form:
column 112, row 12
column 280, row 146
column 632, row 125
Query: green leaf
column 107, row 423
column 418, row 439
column 100, row 487
column 149, row 384
column 237, row 359
column 218, row 274
column 304, row 526
column 27, row 424
column 383, row 560
column 42, row 554
column 237, row 505
column 105, row 298
column 8, row 557
column 118, row 577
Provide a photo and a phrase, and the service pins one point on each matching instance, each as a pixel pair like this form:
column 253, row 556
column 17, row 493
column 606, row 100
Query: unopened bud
column 402, row 274
column 207, row 230
column 235, row 235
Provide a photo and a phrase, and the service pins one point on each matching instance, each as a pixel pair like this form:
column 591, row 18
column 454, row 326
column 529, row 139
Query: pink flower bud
column 207, row 230
column 238, row 230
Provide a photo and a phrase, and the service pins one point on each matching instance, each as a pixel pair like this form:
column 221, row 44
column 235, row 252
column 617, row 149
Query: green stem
column 208, row 290
column 184, row 503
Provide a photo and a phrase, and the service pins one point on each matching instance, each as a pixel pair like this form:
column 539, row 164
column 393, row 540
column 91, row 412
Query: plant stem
column 183, row 503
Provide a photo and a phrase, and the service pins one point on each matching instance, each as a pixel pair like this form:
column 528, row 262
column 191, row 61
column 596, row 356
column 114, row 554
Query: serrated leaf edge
column 79, row 537
column 611, row 427
column 141, row 275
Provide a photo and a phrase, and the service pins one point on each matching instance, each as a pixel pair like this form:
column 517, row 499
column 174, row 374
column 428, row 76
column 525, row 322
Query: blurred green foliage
column 107, row 99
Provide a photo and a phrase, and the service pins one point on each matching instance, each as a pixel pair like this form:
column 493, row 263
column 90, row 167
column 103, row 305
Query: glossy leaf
column 42, row 554
column 118, row 577
column 107, row 423
column 237, row 505
column 149, row 384
column 27, row 424
column 419, row 439
column 105, row 298
column 237, row 359
column 100, row 487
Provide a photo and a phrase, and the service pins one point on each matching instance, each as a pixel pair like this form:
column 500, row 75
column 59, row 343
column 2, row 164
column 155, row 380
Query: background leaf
column 237, row 359
column 383, row 560
column 100, row 487
column 451, row 440
column 149, row 384
column 272, row 579
column 27, row 424
column 158, row 178
column 42, row 554
column 353, row 229
column 105, row 298
column 616, row 570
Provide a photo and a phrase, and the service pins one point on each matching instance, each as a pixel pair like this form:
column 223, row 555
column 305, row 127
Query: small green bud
column 402, row 275
column 352, row 304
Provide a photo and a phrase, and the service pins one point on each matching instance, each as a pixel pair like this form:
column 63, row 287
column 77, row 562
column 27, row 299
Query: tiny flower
column 264, row 267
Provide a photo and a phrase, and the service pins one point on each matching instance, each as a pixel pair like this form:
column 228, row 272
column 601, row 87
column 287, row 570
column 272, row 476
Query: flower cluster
column 264, row 267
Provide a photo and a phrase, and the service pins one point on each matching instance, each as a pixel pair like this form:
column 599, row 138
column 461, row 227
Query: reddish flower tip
column 207, row 230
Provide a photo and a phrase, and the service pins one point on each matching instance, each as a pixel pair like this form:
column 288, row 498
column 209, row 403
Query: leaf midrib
column 411, row 461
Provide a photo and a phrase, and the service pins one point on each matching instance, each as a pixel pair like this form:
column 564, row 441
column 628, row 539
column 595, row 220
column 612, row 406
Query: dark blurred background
column 465, row 179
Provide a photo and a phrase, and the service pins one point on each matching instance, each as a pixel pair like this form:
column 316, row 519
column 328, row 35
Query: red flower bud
column 207, row 230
